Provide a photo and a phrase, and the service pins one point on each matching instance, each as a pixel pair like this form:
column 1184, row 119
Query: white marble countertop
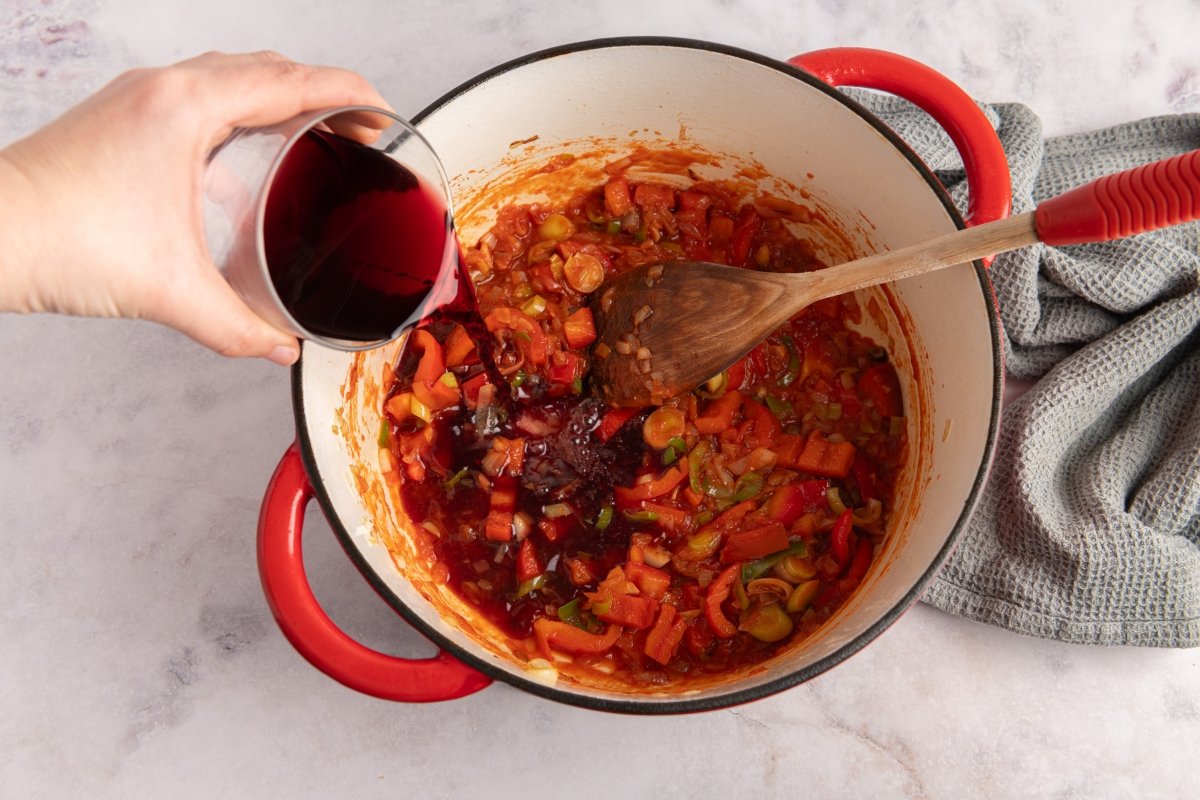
column 139, row 658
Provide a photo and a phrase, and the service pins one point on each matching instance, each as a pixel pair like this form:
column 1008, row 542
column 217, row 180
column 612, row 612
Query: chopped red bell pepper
column 699, row 637
column 668, row 517
column 555, row 529
column 651, row 581
column 766, row 427
column 819, row 359
column 616, row 197
column 564, row 368
column 825, row 458
column 579, row 328
column 880, row 386
column 839, row 537
column 579, row 571
column 613, row 420
column 654, row 194
column 755, row 543
column 429, row 384
column 863, row 554
column 542, row 278
column 794, row 500
column 470, row 389
column 459, row 348
column 513, row 319
column 528, row 565
column 432, row 364
column 718, row 592
column 567, row 637
column 748, row 225
column 731, row 516
column 693, row 214
column 665, row 637
column 719, row 415
column 512, row 453
column 736, row 374
column 720, row 229
column 416, row 450
column 628, row 497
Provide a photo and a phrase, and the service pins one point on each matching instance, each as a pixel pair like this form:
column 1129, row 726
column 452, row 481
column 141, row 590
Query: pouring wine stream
column 664, row 329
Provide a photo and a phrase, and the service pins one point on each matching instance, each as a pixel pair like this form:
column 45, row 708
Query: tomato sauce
column 651, row 543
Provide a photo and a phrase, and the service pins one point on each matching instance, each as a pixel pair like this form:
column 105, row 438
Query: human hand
column 101, row 210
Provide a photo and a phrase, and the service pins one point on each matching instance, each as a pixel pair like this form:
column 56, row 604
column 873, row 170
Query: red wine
column 356, row 244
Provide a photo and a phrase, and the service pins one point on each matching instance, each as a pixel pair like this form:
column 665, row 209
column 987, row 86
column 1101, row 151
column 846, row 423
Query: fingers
column 257, row 89
column 211, row 313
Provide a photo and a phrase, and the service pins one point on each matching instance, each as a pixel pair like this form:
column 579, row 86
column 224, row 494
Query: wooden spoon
column 664, row 329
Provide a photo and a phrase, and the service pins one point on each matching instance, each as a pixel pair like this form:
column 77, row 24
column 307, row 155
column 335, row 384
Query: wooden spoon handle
column 1137, row 200
column 945, row 251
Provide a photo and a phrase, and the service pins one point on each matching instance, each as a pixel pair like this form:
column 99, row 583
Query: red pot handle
column 986, row 165
column 309, row 628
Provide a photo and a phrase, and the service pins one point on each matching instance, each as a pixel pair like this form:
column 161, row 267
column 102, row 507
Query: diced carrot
column 579, row 329
column 398, row 407
column 498, row 527
column 825, row 458
column 787, row 449
column 503, row 502
column 630, row 610
column 616, row 197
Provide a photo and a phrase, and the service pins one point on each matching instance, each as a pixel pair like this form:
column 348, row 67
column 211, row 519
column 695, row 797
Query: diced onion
column 522, row 525
column 556, row 510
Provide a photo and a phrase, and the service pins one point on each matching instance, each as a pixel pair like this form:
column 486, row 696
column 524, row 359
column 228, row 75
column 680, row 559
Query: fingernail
column 284, row 356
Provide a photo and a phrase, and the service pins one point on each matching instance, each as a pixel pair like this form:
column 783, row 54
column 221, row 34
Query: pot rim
column 635, row 704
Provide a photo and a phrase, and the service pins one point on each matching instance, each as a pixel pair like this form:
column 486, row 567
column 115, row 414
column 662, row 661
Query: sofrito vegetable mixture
column 649, row 544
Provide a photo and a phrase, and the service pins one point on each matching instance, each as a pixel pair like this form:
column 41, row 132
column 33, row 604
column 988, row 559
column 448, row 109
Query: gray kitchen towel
column 1089, row 527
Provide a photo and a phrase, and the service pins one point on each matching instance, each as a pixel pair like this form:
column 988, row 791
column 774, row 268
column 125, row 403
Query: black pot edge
column 686, row 705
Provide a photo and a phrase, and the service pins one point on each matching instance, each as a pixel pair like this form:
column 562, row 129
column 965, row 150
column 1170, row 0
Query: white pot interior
column 598, row 104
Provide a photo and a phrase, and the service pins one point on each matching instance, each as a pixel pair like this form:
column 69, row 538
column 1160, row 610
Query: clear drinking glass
column 418, row 248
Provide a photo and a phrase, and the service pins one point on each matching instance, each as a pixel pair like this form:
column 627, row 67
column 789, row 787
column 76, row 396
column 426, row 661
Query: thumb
column 212, row 313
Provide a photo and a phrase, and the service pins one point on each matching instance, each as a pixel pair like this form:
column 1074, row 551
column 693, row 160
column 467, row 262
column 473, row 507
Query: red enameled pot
column 782, row 121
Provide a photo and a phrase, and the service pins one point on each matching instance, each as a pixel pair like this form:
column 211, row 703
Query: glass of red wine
column 334, row 226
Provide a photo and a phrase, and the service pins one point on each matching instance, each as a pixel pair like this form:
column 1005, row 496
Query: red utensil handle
column 983, row 157
column 1137, row 200
column 313, row 633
